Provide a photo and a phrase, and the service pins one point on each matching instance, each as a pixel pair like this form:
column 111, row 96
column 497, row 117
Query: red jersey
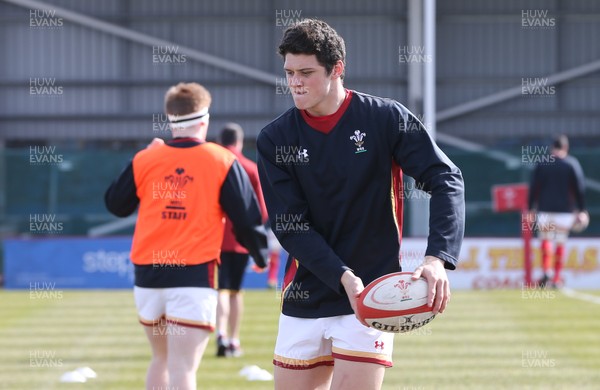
column 230, row 244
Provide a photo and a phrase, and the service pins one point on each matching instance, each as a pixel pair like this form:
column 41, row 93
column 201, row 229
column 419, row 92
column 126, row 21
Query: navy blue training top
column 557, row 186
column 329, row 198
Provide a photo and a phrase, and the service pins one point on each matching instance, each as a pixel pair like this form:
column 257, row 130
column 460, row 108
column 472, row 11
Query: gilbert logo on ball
column 395, row 303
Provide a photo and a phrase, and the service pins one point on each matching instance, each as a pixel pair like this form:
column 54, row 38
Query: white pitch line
column 581, row 296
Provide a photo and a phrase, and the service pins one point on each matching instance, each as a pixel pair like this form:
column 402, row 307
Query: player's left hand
column 155, row 142
column 434, row 272
column 257, row 269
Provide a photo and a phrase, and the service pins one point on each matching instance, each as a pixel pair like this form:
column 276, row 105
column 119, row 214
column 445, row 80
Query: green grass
column 485, row 340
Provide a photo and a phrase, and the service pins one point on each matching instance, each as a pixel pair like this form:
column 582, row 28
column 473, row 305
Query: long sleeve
column 121, row 196
column 285, row 203
column 255, row 180
column 434, row 173
column 578, row 185
column 239, row 202
column 534, row 189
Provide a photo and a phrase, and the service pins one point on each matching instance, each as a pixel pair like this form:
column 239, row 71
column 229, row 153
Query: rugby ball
column 395, row 303
column 582, row 220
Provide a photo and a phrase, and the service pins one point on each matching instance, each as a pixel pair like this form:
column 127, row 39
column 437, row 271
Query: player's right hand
column 353, row 286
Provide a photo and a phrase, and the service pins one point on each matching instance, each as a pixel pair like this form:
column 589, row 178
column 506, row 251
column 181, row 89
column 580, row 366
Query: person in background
column 234, row 256
column 556, row 195
column 274, row 257
column 184, row 188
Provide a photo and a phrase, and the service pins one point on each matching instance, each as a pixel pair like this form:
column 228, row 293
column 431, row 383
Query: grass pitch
column 485, row 340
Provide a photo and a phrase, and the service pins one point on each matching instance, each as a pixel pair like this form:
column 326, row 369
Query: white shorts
column 194, row 307
column 305, row 343
column 555, row 221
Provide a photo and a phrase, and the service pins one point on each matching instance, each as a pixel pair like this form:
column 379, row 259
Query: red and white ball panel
column 395, row 303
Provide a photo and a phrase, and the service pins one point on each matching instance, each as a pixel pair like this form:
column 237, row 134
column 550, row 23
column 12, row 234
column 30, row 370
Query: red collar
column 326, row 123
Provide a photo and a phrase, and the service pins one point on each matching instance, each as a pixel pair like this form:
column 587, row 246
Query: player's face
column 308, row 81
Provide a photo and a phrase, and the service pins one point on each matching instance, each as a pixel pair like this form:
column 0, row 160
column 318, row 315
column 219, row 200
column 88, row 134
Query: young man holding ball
column 330, row 169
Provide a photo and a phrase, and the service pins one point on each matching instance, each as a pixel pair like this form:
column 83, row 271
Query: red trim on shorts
column 152, row 322
column 210, row 328
column 361, row 359
column 211, row 273
column 302, row 366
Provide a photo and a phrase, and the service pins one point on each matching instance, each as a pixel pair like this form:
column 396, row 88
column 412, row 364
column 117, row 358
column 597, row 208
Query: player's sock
column 546, row 248
column 546, row 256
column 558, row 262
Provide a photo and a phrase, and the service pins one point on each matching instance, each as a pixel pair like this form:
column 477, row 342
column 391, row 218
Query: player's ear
column 338, row 70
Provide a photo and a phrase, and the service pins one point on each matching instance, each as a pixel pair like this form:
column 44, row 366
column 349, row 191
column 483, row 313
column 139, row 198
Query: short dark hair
column 313, row 36
column 561, row 142
column 230, row 134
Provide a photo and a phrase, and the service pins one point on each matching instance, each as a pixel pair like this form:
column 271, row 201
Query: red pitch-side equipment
column 513, row 197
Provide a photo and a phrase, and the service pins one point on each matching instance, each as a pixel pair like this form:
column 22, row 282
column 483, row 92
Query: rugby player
column 330, row 169
column 184, row 188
